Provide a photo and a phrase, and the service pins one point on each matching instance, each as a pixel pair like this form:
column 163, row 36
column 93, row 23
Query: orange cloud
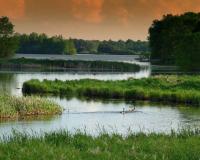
column 65, row 10
column 116, row 11
column 102, row 11
column 12, row 8
column 88, row 10
column 158, row 8
column 101, row 19
column 123, row 15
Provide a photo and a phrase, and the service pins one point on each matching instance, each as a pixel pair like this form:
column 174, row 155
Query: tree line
column 111, row 47
column 175, row 40
column 42, row 44
column 34, row 43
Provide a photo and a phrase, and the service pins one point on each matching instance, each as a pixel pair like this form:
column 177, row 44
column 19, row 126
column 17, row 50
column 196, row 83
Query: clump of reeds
column 13, row 107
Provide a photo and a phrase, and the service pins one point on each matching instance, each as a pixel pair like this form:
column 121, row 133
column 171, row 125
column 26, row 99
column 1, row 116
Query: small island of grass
column 176, row 89
column 14, row 107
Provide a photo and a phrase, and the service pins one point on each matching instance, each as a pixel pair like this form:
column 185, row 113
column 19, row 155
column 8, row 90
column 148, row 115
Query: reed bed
column 63, row 145
column 70, row 64
column 176, row 89
column 14, row 107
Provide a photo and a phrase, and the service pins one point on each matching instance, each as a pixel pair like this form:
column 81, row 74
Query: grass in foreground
column 14, row 107
column 176, row 89
column 63, row 145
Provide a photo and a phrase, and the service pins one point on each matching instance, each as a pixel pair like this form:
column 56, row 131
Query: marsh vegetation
column 176, row 89
column 69, row 64
column 15, row 107
column 64, row 145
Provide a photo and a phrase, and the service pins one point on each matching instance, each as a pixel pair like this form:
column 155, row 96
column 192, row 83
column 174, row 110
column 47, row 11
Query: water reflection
column 12, row 81
column 90, row 114
column 148, row 118
column 7, row 82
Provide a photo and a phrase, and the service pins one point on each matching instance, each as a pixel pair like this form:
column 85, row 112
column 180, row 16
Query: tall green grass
column 13, row 107
column 66, row 146
column 176, row 89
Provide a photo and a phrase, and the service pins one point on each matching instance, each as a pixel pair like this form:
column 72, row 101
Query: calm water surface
column 12, row 81
column 94, row 115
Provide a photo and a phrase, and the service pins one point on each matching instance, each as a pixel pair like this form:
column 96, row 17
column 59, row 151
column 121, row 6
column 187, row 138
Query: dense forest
column 42, row 44
column 175, row 40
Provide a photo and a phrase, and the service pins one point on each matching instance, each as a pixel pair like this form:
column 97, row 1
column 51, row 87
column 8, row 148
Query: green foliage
column 162, row 36
column 70, row 47
column 188, row 56
column 8, row 41
column 86, row 46
column 42, row 44
column 168, row 38
column 111, row 47
column 14, row 107
column 64, row 145
column 6, row 27
column 123, row 47
column 176, row 89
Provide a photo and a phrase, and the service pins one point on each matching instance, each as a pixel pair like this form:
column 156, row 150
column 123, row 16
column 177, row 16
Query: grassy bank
column 176, row 89
column 63, row 145
column 69, row 64
column 15, row 107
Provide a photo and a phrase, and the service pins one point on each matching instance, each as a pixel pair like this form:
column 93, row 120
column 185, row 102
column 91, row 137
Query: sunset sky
column 91, row 19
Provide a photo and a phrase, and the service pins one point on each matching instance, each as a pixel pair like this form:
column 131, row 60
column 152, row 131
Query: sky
column 92, row 19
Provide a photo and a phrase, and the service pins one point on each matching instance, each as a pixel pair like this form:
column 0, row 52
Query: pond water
column 95, row 115
column 12, row 81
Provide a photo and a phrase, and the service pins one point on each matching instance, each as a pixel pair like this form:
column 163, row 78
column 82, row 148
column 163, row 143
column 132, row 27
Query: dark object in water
column 129, row 111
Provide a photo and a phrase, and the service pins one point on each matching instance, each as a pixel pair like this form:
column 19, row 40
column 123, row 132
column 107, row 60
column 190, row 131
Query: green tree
column 8, row 41
column 42, row 44
column 123, row 47
column 188, row 52
column 166, row 36
column 70, row 47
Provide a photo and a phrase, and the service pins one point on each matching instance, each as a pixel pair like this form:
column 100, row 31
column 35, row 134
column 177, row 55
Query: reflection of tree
column 189, row 112
column 7, row 82
column 190, row 115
